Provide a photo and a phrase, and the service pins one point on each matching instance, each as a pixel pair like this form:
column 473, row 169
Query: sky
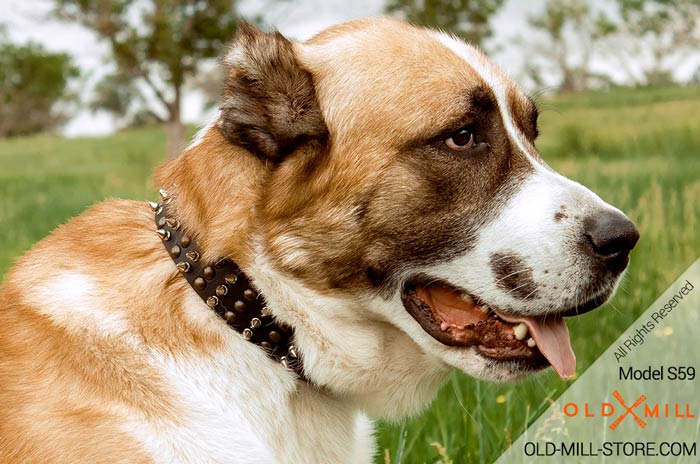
column 29, row 20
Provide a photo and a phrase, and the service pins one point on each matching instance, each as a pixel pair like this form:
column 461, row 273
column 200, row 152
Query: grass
column 637, row 148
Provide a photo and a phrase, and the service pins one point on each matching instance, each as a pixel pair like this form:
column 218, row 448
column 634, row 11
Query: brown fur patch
column 513, row 275
column 269, row 105
column 525, row 113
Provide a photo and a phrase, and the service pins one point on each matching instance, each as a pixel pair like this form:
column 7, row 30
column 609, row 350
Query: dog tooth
column 483, row 309
column 466, row 298
column 531, row 342
column 520, row 331
column 444, row 326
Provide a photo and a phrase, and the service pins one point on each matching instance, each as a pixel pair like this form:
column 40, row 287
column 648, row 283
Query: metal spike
column 239, row 306
column 284, row 361
column 292, row 351
column 164, row 194
column 192, row 256
column 264, row 312
column 183, row 267
column 163, row 234
column 212, row 301
column 172, row 223
column 247, row 334
column 255, row 323
column 153, row 205
column 221, row 290
column 199, row 284
column 274, row 336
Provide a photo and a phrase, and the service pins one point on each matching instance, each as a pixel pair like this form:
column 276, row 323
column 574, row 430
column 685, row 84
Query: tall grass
column 638, row 149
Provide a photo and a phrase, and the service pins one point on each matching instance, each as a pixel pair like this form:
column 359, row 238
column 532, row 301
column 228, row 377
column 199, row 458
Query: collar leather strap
column 227, row 291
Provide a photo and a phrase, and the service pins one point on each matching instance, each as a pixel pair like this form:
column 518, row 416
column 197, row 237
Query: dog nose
column 612, row 236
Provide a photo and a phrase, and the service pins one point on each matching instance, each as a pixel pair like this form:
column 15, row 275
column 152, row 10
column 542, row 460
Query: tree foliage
column 33, row 83
column 660, row 34
column 466, row 18
column 573, row 30
column 157, row 45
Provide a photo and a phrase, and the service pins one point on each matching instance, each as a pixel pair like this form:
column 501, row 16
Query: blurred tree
column 467, row 18
column 33, row 84
column 210, row 82
column 157, row 46
column 659, row 34
column 573, row 30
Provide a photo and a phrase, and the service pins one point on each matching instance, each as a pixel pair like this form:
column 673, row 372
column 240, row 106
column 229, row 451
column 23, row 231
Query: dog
column 378, row 191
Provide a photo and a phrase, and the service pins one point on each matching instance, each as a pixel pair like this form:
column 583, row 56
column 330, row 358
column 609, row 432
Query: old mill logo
column 640, row 411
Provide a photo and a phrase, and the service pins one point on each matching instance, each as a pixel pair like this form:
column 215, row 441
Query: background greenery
column 637, row 148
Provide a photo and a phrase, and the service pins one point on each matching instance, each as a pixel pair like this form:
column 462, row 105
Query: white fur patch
column 73, row 302
column 199, row 136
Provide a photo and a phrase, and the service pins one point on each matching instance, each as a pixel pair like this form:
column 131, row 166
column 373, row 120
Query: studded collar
column 227, row 291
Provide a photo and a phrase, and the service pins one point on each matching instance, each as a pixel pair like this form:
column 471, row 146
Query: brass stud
column 239, row 306
column 185, row 241
column 183, row 267
column 208, row 272
column 175, row 252
column 173, row 223
column 192, row 256
column 159, row 210
column 221, row 290
column 249, row 294
column 220, row 264
column 255, row 323
column 212, row 301
column 164, row 194
column 199, row 284
column 266, row 345
column 163, row 234
column 153, row 205
column 275, row 336
column 292, row 351
column 247, row 334
column 284, row 362
column 264, row 312
column 229, row 316
column 231, row 279
column 161, row 222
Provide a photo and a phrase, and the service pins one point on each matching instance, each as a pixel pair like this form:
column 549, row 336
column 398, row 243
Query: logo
column 640, row 411
column 629, row 410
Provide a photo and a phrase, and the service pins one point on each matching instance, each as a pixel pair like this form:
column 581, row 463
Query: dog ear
column 269, row 103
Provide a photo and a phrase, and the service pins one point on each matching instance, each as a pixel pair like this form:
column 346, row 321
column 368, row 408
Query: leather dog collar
column 227, row 291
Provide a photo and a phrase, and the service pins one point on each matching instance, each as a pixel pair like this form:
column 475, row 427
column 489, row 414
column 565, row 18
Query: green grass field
column 639, row 149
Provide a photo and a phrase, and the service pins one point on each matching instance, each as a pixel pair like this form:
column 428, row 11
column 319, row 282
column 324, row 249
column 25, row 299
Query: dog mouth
column 456, row 318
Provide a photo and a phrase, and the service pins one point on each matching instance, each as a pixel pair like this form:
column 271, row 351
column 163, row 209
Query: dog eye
column 461, row 140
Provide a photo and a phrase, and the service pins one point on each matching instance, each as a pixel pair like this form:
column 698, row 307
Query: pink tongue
column 552, row 337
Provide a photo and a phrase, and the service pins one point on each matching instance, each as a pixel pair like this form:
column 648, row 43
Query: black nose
column 612, row 237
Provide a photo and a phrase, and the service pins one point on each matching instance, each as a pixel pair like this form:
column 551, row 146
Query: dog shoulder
column 72, row 361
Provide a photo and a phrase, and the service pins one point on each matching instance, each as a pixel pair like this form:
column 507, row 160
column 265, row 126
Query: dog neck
column 217, row 189
column 226, row 290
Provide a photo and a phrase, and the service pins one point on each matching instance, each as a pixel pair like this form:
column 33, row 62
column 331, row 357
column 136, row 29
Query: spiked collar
column 227, row 291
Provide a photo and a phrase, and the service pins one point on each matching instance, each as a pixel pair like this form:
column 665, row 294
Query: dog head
column 402, row 187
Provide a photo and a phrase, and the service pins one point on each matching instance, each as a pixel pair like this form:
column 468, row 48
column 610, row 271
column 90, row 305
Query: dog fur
column 326, row 179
